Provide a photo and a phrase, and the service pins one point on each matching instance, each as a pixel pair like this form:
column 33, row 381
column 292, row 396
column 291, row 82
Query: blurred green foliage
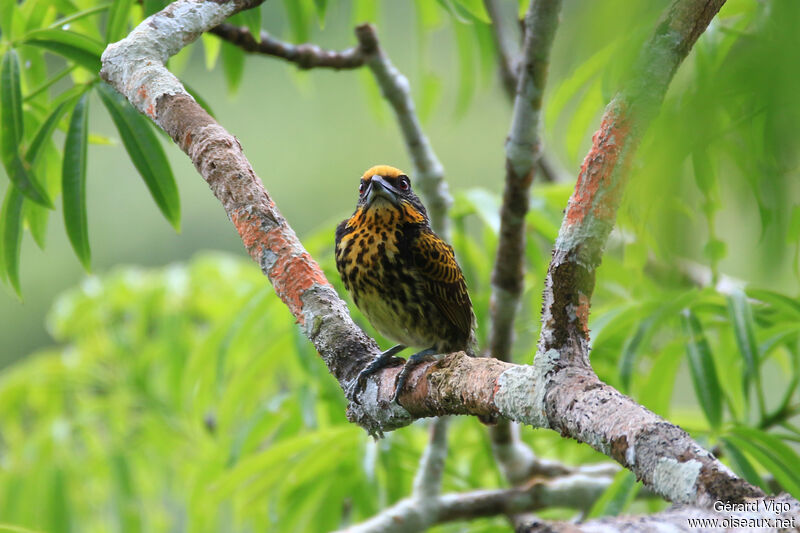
column 183, row 398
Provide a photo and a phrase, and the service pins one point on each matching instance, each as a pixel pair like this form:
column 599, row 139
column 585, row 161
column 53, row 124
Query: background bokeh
column 170, row 390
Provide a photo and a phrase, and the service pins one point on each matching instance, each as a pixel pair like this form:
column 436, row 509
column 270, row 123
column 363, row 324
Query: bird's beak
column 380, row 188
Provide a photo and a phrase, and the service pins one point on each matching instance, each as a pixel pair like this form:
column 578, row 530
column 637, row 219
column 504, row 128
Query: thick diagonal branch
column 661, row 454
column 593, row 206
column 575, row 492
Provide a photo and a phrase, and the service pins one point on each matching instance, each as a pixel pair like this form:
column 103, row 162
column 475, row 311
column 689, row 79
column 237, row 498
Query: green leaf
column 153, row 6
column 11, row 131
column 627, row 361
column 7, row 10
column 13, row 126
column 76, row 47
column 617, row 497
column 793, row 231
column 73, row 181
column 701, row 365
column 322, row 8
column 742, row 320
column 252, row 19
column 211, row 48
column 778, row 301
column 465, row 46
column 58, row 514
column 298, row 19
column 579, row 129
column 145, row 152
column 773, row 454
column 232, row 65
column 44, row 132
column 36, row 217
column 11, row 224
column 474, row 9
column 741, row 465
column 117, row 20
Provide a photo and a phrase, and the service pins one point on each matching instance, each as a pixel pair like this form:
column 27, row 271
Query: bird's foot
column 413, row 361
column 386, row 359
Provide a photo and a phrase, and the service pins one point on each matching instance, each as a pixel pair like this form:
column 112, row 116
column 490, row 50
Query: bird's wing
column 437, row 266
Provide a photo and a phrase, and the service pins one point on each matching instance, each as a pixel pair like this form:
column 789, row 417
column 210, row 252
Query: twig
column 306, row 55
column 428, row 481
column 506, row 51
column 576, row 492
column 574, row 401
column 507, row 59
column 522, row 152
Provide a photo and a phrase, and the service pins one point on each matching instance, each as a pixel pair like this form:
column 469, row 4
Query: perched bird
column 401, row 275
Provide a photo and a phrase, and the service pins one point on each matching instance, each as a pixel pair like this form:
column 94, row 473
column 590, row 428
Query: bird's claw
column 360, row 382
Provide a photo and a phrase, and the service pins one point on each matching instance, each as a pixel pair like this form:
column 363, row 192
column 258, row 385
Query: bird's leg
column 413, row 361
column 382, row 361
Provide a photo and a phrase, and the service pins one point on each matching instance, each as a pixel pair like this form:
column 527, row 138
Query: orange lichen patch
column 142, row 92
column 598, row 168
column 293, row 272
column 582, row 313
column 382, row 170
column 292, row 275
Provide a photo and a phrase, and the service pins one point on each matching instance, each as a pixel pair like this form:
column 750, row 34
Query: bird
column 402, row 276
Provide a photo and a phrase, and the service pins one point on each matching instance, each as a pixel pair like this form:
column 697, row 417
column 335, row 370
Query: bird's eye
column 362, row 187
column 404, row 185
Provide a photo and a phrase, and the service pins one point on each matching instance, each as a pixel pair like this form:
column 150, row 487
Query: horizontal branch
column 571, row 400
column 406, row 516
column 305, row 56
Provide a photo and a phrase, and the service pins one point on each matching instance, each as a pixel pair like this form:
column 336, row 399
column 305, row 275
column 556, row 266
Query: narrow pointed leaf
column 145, row 152
column 701, row 366
column 232, row 65
column 211, row 48
column 36, row 216
column 11, row 131
column 78, row 48
column 773, row 454
column 11, row 224
column 12, row 126
column 298, row 19
column 744, row 330
column 73, row 181
column 117, row 19
column 741, row 464
column 617, row 497
column 44, row 132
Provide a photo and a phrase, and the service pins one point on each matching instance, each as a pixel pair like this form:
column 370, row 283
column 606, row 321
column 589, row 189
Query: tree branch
column 428, row 481
column 661, row 454
column 394, row 86
column 305, row 56
column 504, row 46
column 576, row 492
column 523, row 149
column 592, row 208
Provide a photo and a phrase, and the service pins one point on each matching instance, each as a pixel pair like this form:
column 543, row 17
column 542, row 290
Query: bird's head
column 384, row 187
